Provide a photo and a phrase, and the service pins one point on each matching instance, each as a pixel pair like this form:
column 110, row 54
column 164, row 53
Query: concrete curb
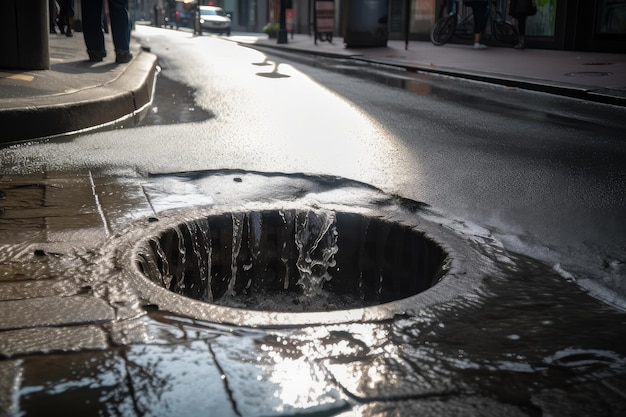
column 604, row 96
column 55, row 115
column 572, row 91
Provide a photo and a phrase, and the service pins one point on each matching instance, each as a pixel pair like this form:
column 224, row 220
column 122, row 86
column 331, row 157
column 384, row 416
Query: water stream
column 278, row 259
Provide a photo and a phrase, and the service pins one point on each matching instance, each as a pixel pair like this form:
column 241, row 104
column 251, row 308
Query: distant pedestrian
column 480, row 12
column 52, row 15
column 520, row 10
column 66, row 16
column 120, row 29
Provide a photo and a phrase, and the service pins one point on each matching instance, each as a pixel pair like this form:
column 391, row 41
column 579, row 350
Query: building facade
column 586, row 25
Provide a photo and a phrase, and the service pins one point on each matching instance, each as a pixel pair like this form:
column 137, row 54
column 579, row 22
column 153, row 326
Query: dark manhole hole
column 292, row 260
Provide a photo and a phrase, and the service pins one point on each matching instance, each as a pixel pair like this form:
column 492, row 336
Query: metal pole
column 282, row 32
column 407, row 23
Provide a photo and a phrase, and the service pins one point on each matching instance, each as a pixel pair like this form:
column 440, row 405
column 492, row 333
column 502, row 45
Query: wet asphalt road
column 542, row 174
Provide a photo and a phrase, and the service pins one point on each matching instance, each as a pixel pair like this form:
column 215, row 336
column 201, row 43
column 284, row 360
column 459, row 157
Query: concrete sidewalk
column 592, row 76
column 76, row 94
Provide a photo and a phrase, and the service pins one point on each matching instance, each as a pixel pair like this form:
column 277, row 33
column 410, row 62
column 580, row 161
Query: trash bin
column 365, row 23
column 24, row 29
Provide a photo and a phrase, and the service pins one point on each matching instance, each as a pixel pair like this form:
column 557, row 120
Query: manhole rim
column 455, row 281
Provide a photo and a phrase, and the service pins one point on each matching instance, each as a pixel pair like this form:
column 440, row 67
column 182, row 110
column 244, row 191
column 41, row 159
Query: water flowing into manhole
column 292, row 260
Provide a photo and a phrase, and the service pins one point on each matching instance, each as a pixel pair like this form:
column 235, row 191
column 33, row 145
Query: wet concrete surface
column 501, row 334
column 82, row 334
column 173, row 102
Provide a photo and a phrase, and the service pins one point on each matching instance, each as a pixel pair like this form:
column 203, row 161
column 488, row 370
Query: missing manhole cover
column 295, row 260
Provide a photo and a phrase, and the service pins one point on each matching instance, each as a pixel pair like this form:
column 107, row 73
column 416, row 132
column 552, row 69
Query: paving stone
column 11, row 372
column 51, row 339
column 20, row 231
column 122, row 201
column 461, row 406
column 36, row 261
column 20, row 216
column 74, row 211
column 91, row 383
column 178, row 380
column 54, row 311
column 590, row 399
column 265, row 381
column 20, row 263
column 34, row 289
column 55, row 208
column 19, row 195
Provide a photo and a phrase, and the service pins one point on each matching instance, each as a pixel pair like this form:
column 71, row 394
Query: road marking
column 19, row 77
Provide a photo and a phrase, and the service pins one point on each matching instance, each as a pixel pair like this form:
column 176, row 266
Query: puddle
column 172, row 103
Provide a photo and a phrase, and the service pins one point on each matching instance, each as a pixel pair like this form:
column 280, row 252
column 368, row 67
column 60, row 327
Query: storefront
column 593, row 25
column 597, row 25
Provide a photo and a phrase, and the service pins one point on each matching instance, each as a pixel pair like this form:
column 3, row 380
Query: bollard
column 24, row 28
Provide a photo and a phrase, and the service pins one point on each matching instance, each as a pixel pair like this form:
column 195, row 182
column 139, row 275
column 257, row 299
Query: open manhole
column 291, row 261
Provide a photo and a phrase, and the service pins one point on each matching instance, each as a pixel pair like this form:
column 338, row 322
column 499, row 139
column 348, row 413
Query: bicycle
column 454, row 24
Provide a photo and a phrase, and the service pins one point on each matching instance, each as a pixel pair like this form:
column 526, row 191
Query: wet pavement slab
column 83, row 332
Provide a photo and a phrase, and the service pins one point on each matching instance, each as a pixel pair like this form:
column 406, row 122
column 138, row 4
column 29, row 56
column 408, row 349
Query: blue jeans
column 92, row 25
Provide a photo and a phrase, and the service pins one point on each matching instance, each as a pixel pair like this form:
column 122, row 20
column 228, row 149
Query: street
column 534, row 183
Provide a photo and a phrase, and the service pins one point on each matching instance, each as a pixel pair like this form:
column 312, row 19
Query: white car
column 214, row 19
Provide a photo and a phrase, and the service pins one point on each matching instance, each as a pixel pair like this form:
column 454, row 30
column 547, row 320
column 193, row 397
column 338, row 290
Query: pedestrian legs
column 120, row 29
column 66, row 16
column 92, row 29
column 52, row 14
column 120, row 25
column 521, row 28
column 480, row 12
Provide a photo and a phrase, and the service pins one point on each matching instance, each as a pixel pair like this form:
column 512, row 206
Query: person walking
column 480, row 12
column 66, row 16
column 52, row 15
column 120, row 29
column 520, row 10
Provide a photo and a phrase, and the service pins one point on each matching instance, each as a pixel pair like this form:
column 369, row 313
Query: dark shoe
column 122, row 57
column 69, row 33
column 96, row 56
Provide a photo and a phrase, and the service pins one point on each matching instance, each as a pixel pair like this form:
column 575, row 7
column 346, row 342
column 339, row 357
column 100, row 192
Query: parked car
column 214, row 19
